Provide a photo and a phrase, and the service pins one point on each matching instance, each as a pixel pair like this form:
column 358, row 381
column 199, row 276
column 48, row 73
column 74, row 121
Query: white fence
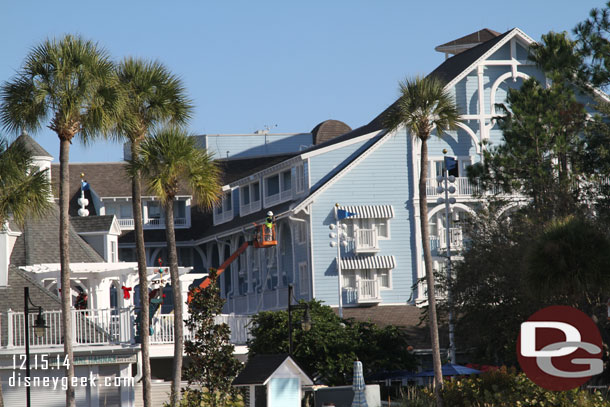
column 104, row 327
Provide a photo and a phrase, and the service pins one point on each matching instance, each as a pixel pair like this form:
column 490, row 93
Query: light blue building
column 305, row 178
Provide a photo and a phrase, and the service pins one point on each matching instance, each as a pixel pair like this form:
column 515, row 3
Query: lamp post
column 305, row 324
column 39, row 331
column 447, row 201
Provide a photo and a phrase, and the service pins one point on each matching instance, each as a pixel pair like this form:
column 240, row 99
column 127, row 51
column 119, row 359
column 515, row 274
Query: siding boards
column 381, row 178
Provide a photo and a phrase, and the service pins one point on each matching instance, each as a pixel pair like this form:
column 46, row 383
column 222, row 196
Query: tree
column 594, row 46
column 153, row 96
column 424, row 105
column 327, row 352
column 24, row 190
column 70, row 82
column 166, row 158
column 212, row 364
column 541, row 156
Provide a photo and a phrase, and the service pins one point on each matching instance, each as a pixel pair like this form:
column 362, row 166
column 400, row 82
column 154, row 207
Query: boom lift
column 263, row 237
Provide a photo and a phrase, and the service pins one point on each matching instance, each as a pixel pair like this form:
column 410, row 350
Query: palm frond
column 170, row 156
column 423, row 105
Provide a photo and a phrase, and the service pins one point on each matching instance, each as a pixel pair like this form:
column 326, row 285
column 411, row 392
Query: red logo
column 559, row 348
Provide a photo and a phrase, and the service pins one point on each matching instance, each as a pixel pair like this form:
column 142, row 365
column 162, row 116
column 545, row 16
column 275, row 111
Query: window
column 383, row 278
column 154, row 209
column 381, row 225
column 287, row 180
column 180, row 209
column 244, row 192
column 226, row 202
column 255, row 188
column 272, row 186
column 300, row 178
column 113, row 252
column 349, row 279
column 303, row 278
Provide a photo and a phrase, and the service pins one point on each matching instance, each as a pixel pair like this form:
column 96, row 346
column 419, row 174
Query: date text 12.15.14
column 41, row 362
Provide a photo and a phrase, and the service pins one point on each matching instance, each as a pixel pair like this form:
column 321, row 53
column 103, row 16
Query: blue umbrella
column 358, row 386
column 450, row 369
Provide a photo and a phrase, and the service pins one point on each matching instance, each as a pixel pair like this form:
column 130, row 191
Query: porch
column 104, row 327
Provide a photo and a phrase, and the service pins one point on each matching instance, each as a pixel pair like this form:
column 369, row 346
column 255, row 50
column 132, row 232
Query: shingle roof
column 258, row 369
column 236, row 168
column 83, row 224
column 467, row 41
column 38, row 243
column 328, row 130
column 455, row 65
column 35, row 148
column 406, row 317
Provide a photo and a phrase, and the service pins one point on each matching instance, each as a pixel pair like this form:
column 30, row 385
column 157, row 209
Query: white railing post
column 75, row 321
column 10, row 328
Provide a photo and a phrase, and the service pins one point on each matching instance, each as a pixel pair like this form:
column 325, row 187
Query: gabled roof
column 237, row 168
column 38, row 243
column 34, row 148
column 261, row 367
column 87, row 224
column 467, row 41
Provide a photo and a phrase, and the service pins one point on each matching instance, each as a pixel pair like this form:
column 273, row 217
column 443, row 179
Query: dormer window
column 249, row 198
column 278, row 187
column 223, row 212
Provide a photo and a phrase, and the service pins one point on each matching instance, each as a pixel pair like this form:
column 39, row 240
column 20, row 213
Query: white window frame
column 224, row 215
column 375, row 224
column 381, row 287
column 252, row 206
column 283, row 195
column 300, row 178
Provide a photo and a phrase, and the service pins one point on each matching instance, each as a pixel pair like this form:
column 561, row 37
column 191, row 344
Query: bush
column 503, row 388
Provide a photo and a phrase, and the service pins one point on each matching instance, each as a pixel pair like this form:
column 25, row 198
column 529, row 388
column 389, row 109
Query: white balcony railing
column 245, row 209
column 439, row 243
column 462, row 187
column 151, row 223
column 365, row 241
column 104, row 327
column 368, row 291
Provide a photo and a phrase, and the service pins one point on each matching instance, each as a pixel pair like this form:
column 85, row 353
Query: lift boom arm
column 220, row 269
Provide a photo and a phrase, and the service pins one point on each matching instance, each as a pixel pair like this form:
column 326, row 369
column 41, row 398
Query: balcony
column 365, row 292
column 365, row 241
column 462, row 187
column 105, row 327
column 438, row 243
column 151, row 223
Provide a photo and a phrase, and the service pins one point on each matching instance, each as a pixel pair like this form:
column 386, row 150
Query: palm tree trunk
column 425, row 235
column 136, row 197
column 64, row 256
column 177, row 294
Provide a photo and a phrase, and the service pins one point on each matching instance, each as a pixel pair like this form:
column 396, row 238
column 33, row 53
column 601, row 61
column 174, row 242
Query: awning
column 369, row 262
column 369, row 211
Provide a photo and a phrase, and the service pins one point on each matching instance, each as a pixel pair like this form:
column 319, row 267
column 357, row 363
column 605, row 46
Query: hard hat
column 269, row 213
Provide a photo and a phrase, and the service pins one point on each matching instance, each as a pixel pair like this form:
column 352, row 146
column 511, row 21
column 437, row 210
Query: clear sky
column 250, row 64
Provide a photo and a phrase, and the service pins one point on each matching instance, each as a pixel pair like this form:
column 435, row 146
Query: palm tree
column 167, row 157
column 424, row 105
column 69, row 85
column 153, row 96
column 24, row 190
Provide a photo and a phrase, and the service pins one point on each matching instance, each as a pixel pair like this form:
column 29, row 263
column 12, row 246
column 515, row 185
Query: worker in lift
column 269, row 226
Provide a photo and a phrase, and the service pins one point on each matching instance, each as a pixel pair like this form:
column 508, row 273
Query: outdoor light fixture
column 39, row 331
column 306, row 323
column 40, row 327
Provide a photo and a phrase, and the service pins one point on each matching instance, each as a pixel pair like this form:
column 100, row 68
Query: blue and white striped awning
column 369, row 262
column 369, row 211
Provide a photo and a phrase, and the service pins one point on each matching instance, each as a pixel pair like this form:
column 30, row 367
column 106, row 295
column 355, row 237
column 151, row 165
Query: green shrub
column 502, row 388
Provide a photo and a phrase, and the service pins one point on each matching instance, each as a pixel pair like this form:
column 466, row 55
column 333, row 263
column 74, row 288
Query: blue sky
column 251, row 64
